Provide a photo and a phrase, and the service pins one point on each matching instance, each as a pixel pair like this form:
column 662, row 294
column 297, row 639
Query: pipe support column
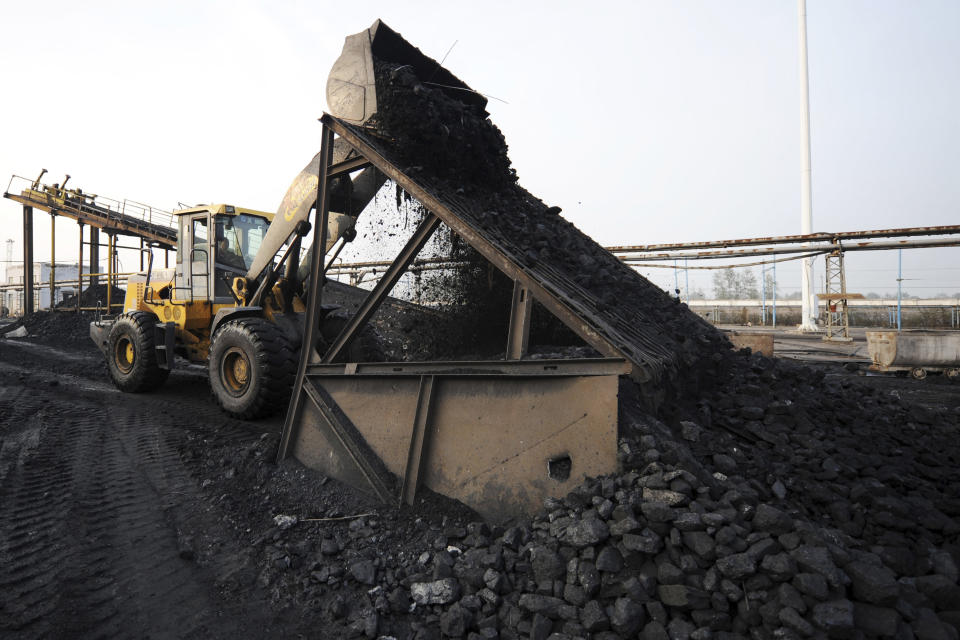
column 27, row 260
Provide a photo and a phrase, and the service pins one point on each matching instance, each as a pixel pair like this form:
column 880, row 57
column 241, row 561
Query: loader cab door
column 238, row 240
column 194, row 277
column 228, row 257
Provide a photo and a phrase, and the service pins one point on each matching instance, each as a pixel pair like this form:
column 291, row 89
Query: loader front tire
column 132, row 355
column 252, row 368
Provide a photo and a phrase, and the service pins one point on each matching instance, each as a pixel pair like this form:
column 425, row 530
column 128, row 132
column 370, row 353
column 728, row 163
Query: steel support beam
column 111, row 241
column 314, row 295
column 27, row 260
column 347, row 166
column 419, row 441
column 384, row 286
column 94, row 256
column 836, row 298
column 518, row 335
column 53, row 259
column 80, row 265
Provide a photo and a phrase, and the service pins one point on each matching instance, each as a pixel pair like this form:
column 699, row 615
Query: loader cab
column 214, row 245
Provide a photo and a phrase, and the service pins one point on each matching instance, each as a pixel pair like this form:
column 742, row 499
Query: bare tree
column 735, row 284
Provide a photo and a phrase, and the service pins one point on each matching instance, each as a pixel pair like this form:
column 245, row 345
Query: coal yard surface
column 753, row 497
column 786, row 500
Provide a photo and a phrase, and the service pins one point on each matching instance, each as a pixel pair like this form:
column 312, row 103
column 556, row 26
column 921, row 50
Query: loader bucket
column 351, row 85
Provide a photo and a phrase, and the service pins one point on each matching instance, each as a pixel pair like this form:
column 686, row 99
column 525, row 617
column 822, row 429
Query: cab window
column 199, row 238
column 238, row 240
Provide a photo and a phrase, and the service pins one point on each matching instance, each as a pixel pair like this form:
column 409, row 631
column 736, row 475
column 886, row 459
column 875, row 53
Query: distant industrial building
column 12, row 289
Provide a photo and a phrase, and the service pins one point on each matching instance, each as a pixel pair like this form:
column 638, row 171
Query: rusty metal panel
column 499, row 443
column 890, row 350
column 757, row 342
column 331, row 443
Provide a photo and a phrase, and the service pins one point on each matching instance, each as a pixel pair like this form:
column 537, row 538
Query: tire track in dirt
column 92, row 488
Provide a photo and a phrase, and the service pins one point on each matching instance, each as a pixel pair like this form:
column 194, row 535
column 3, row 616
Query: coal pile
column 92, row 296
column 61, row 327
column 446, row 137
column 64, row 325
column 839, row 521
column 757, row 498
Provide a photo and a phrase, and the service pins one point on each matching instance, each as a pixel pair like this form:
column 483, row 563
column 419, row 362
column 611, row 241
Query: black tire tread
column 147, row 374
column 276, row 359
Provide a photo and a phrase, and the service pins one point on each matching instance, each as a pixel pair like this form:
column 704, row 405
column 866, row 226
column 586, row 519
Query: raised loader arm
column 352, row 96
column 348, row 200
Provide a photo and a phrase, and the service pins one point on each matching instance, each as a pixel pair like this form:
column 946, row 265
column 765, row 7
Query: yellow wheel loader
column 229, row 302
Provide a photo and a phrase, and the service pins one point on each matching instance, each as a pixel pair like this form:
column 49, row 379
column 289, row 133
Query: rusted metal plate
column 757, row 342
column 499, row 442
column 890, row 350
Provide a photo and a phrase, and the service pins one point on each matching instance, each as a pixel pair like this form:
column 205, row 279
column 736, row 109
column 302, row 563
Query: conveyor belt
column 87, row 210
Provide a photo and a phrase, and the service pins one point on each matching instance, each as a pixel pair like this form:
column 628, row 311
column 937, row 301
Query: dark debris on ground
column 757, row 498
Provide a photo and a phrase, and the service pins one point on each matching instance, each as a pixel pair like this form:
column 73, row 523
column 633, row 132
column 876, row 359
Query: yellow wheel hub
column 240, row 370
column 124, row 354
column 235, row 371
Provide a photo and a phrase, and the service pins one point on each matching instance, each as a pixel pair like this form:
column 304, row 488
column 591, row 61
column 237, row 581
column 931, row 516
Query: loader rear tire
column 252, row 368
column 132, row 355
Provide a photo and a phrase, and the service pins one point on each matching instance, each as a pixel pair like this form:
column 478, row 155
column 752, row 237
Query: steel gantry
column 153, row 227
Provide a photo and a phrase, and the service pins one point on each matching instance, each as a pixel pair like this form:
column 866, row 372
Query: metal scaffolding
column 152, row 226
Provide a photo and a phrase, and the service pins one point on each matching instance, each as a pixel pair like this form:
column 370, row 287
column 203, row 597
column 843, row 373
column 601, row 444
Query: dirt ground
column 152, row 515
column 130, row 515
column 99, row 505
column 843, row 360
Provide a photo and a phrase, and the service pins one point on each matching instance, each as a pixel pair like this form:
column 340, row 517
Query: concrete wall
column 931, row 313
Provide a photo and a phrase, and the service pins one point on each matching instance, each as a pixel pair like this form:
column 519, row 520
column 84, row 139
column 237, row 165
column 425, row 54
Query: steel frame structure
column 353, row 421
column 91, row 211
column 836, row 298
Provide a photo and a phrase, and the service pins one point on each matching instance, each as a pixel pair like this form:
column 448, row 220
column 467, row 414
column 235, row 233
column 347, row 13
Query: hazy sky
column 646, row 121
